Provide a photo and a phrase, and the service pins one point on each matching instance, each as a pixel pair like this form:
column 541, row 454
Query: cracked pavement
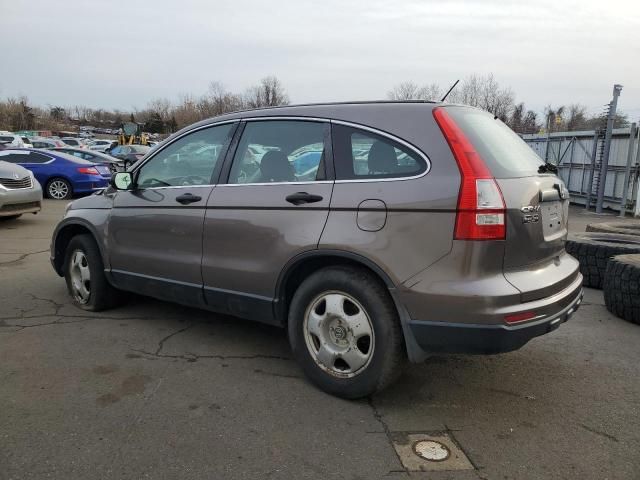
column 155, row 390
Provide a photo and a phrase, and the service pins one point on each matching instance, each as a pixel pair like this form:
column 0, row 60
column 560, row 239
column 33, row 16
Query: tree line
column 486, row 93
column 163, row 116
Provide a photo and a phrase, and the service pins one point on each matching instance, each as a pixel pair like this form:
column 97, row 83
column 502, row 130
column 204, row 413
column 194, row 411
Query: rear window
column 503, row 151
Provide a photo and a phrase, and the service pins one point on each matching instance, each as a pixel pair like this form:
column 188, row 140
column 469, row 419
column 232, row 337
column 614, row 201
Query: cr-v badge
column 530, row 213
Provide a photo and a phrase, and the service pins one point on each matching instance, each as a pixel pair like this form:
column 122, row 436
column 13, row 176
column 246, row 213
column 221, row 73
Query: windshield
column 504, row 152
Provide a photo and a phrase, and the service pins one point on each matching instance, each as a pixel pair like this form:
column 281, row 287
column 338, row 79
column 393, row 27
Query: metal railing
column 579, row 161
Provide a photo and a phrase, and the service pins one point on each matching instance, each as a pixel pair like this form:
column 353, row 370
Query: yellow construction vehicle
column 131, row 134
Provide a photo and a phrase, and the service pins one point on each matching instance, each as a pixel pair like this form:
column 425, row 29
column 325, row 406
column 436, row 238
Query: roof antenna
column 449, row 91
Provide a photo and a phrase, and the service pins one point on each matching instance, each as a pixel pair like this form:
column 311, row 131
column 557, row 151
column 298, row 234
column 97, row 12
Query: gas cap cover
column 372, row 215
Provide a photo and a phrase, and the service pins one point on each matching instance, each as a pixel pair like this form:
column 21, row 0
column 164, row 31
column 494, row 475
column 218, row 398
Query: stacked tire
column 594, row 250
column 622, row 287
column 615, row 227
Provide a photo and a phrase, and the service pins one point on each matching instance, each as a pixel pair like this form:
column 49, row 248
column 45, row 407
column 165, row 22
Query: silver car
column 20, row 192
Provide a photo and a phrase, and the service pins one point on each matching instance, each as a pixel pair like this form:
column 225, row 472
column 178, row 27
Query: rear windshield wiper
column 547, row 168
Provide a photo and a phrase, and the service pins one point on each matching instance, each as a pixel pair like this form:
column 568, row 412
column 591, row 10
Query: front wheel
column 59, row 189
column 84, row 274
column 345, row 332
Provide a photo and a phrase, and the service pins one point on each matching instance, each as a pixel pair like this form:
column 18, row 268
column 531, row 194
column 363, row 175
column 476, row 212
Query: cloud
column 122, row 54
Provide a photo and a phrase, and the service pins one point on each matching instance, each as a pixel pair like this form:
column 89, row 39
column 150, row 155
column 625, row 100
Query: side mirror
column 122, row 181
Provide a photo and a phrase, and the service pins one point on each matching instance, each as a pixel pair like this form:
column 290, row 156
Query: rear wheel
column 84, row 274
column 345, row 332
column 59, row 189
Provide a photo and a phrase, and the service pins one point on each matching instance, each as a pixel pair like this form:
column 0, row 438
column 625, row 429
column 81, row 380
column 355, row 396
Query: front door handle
column 299, row 198
column 187, row 198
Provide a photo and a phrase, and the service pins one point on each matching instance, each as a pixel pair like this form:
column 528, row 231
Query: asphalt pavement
column 155, row 390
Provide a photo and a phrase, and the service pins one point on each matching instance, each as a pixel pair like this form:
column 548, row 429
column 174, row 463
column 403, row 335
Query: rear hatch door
column 537, row 206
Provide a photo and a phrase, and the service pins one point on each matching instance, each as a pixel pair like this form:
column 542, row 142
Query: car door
column 271, row 206
column 155, row 229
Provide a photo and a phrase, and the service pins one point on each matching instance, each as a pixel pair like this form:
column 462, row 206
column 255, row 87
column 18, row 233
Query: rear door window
column 361, row 154
column 502, row 150
column 35, row 157
column 274, row 151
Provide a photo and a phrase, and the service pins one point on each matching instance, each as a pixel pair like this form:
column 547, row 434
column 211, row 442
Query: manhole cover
column 431, row 450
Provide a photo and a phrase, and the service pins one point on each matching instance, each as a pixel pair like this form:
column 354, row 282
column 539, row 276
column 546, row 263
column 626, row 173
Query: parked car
column 74, row 142
column 41, row 142
column 129, row 154
column 13, row 140
column 427, row 227
column 62, row 175
column 20, row 192
column 98, row 158
column 101, row 145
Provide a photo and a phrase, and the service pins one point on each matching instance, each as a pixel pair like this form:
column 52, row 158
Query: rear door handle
column 299, row 198
column 187, row 198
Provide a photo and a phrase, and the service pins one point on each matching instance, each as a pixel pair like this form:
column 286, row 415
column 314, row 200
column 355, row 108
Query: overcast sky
column 121, row 54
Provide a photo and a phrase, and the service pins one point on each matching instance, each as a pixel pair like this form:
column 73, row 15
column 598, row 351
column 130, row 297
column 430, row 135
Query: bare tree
column 486, row 93
column 269, row 93
column 576, row 117
column 411, row 91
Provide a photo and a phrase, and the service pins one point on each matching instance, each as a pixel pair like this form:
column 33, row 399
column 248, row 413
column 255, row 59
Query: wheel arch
column 63, row 235
column 304, row 264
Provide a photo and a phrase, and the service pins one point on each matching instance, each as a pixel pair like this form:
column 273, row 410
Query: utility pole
column 607, row 147
column 627, row 172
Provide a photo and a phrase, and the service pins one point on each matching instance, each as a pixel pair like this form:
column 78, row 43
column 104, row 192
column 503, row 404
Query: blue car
column 61, row 175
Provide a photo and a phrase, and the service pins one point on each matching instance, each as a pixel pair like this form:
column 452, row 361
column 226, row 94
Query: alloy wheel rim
column 58, row 189
column 80, row 277
column 339, row 334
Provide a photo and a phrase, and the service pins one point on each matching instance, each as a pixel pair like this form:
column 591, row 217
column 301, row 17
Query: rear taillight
column 88, row 170
column 481, row 210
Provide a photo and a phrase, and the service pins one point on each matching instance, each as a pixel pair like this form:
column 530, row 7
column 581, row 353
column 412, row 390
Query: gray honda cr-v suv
column 373, row 232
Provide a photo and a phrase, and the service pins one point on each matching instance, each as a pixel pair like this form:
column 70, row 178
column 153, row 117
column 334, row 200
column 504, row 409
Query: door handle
column 299, row 198
column 187, row 198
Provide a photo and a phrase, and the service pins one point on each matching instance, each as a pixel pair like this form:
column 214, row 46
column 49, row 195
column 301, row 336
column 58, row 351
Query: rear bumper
column 444, row 337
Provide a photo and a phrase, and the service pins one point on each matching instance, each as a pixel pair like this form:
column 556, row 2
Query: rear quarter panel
column 420, row 212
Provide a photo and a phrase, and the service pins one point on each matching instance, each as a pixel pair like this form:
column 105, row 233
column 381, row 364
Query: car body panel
column 246, row 246
column 155, row 243
column 20, row 192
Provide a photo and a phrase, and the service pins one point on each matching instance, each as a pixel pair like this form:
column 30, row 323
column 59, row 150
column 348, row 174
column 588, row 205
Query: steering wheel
column 194, row 180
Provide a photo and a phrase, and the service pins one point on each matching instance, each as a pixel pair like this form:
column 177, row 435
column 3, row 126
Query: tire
column 11, row 217
column 593, row 251
column 59, row 189
column 622, row 287
column 364, row 339
column 93, row 293
column 615, row 227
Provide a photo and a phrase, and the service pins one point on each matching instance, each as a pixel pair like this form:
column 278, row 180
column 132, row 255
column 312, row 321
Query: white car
column 14, row 141
column 27, row 142
column 74, row 142
column 100, row 145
